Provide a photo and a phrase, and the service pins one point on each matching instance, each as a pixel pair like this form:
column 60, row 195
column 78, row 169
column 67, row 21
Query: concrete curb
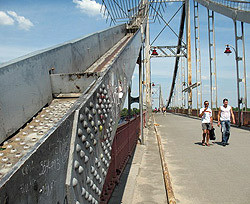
column 168, row 186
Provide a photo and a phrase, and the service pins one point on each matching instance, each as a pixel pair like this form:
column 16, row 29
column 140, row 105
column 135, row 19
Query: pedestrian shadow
column 198, row 143
column 219, row 143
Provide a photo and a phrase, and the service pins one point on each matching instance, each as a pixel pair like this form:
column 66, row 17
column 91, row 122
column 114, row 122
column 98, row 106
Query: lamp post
column 228, row 51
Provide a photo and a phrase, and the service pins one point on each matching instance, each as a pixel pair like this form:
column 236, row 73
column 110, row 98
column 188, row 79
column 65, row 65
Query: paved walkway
column 205, row 175
column 145, row 184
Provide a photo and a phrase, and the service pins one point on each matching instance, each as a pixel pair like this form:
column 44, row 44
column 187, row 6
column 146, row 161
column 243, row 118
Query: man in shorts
column 206, row 122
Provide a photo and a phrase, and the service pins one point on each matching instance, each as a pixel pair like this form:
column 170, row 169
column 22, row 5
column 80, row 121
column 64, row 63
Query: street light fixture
column 228, row 51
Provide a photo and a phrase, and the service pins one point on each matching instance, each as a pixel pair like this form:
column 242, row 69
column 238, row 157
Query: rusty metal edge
column 167, row 181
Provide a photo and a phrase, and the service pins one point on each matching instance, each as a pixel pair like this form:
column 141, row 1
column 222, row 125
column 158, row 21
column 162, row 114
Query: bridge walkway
column 199, row 174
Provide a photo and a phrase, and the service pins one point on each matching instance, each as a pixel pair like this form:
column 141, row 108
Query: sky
column 31, row 25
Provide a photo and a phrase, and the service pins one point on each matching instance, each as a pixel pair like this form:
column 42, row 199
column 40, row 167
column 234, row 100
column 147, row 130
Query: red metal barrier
column 245, row 116
column 123, row 145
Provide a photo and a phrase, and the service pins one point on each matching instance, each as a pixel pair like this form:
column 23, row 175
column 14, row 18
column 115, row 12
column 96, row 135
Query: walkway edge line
column 168, row 186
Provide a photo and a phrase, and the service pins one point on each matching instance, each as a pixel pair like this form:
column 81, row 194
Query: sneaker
column 223, row 144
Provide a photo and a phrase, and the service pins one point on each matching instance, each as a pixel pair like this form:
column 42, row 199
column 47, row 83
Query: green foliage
column 124, row 112
column 134, row 111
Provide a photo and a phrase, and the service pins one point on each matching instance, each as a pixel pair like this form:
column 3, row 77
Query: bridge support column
column 240, row 79
column 141, row 95
column 197, row 55
column 148, row 73
column 212, row 59
column 129, row 100
column 189, row 66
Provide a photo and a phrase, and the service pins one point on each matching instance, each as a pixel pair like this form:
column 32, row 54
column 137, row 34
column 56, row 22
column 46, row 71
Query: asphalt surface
column 201, row 174
column 145, row 184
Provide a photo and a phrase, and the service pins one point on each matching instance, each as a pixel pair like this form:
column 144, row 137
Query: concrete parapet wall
column 70, row 162
column 25, row 82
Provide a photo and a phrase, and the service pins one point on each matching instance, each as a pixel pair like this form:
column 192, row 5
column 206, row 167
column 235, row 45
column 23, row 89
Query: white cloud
column 89, row 7
column 5, row 19
column 23, row 23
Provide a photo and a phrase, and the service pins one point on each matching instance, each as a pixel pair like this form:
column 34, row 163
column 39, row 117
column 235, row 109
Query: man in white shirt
column 224, row 118
column 206, row 122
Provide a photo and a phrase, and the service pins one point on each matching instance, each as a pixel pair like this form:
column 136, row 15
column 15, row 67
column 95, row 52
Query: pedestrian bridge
column 60, row 107
column 198, row 174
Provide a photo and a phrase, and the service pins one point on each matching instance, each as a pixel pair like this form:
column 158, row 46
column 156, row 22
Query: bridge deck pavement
column 208, row 175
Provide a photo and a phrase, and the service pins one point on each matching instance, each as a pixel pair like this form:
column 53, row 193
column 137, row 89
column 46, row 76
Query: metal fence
column 122, row 148
column 245, row 116
column 239, row 5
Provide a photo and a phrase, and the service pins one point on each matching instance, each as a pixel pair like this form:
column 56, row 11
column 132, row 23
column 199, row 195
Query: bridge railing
column 239, row 5
column 244, row 115
column 123, row 146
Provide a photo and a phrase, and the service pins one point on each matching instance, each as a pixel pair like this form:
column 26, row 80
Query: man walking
column 206, row 122
column 224, row 118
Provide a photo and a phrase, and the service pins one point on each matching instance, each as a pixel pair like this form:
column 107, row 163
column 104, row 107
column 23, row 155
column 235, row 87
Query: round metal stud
column 76, row 164
column 94, row 111
column 90, row 198
column 91, row 105
column 80, row 169
column 18, row 155
column 83, row 138
column 87, row 144
column 83, row 191
column 5, row 159
column 90, row 117
column 86, row 110
column 85, row 124
column 79, row 132
column 78, row 147
column 82, row 153
column 90, row 150
column 74, row 182
column 92, row 136
column 94, row 142
column 88, row 130
column 92, row 169
column 86, row 195
column 86, row 159
column 81, row 117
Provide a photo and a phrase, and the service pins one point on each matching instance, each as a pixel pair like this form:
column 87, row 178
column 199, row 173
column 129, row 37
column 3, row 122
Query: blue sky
column 30, row 25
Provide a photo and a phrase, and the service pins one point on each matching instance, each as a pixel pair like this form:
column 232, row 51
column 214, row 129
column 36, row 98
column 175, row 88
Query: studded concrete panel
column 90, row 152
column 27, row 78
column 73, row 150
column 33, row 165
column 94, row 128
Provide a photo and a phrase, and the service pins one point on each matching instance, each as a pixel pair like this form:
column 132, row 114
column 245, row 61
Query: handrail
column 234, row 9
column 235, row 4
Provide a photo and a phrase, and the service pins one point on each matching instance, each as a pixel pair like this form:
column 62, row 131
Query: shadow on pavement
column 117, row 194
